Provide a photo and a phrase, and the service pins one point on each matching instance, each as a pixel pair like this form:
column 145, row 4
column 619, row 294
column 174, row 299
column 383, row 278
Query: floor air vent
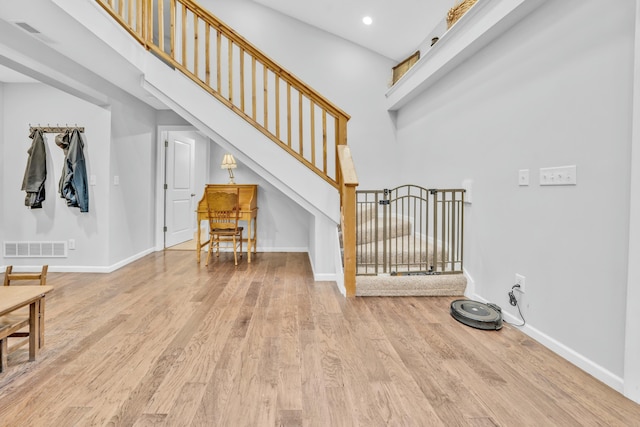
column 35, row 249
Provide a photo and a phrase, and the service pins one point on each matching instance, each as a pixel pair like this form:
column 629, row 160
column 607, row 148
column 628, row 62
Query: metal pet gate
column 409, row 230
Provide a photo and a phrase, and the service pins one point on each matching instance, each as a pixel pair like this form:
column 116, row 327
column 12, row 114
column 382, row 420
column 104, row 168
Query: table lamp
column 229, row 163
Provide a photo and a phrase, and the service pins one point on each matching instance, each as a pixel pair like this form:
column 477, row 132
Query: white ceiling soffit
column 398, row 28
column 7, row 75
column 50, row 47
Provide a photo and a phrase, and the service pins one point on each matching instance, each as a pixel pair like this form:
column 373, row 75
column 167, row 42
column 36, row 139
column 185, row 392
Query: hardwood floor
column 164, row 341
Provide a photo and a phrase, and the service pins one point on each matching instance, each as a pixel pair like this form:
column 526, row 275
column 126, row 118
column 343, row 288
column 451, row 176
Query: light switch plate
column 561, row 175
column 523, row 177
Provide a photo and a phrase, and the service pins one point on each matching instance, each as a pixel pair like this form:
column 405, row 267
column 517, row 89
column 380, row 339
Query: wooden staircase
column 264, row 94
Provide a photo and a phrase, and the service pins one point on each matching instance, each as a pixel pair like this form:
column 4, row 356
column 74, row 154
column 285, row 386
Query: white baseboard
column 328, row 277
column 291, row 249
column 84, row 268
column 587, row 365
column 471, row 284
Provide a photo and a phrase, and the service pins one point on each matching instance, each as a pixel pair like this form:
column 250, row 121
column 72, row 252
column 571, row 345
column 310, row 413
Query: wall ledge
column 482, row 24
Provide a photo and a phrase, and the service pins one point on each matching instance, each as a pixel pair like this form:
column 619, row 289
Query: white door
column 179, row 194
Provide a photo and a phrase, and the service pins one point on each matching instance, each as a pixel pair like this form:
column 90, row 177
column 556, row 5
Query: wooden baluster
column 341, row 132
column 324, row 141
column 300, row 125
column 266, row 96
column 312, row 106
column 138, row 28
column 149, row 34
column 184, row 35
column 130, row 13
column 218, row 60
column 230, row 53
column 172, row 29
column 289, row 114
column 207, row 54
column 253, row 87
column 277, row 83
column 242, row 89
column 161, row 25
column 195, row 44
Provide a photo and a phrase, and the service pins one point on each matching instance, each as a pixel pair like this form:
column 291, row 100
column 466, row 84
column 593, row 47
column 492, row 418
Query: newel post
column 349, row 182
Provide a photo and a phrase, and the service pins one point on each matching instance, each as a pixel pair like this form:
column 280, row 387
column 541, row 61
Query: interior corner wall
column 632, row 342
column 38, row 104
column 554, row 90
column 350, row 76
column 323, row 235
column 2, row 168
column 132, row 180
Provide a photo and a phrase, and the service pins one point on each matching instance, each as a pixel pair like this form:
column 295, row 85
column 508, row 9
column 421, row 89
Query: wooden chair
column 223, row 213
column 11, row 325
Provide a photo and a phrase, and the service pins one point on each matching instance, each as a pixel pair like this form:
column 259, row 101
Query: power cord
column 514, row 302
column 512, row 298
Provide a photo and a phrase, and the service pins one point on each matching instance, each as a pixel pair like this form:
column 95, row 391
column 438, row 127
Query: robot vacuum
column 476, row 314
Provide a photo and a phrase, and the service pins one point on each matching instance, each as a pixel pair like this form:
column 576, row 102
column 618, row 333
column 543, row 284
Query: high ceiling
column 398, row 28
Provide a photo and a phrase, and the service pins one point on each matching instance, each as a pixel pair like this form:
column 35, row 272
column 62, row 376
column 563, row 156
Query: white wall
column 2, row 168
column 282, row 223
column 38, row 104
column 632, row 333
column 351, row 77
column 133, row 161
column 555, row 90
column 119, row 142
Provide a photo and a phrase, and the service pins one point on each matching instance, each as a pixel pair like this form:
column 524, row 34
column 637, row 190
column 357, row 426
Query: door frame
column 161, row 134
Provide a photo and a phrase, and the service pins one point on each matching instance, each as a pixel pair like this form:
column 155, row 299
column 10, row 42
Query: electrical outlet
column 520, row 281
column 72, row 244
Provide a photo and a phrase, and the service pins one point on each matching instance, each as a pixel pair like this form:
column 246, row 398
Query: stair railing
column 279, row 105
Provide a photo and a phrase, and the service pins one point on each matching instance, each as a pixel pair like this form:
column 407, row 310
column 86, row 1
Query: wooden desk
column 15, row 297
column 248, row 212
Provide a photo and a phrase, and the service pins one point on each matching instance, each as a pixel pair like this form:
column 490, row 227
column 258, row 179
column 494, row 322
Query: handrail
column 293, row 115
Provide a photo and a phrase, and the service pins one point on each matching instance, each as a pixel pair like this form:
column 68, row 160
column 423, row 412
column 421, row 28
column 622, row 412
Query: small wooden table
column 13, row 298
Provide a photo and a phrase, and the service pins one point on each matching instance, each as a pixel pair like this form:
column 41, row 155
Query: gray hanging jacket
column 73, row 183
column 35, row 173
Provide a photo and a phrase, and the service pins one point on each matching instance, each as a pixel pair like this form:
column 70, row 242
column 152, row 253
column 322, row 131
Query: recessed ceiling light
column 367, row 20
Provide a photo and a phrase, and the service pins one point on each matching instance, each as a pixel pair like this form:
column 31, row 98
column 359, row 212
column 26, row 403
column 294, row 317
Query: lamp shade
column 228, row 162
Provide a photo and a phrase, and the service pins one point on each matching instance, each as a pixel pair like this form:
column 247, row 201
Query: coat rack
column 54, row 129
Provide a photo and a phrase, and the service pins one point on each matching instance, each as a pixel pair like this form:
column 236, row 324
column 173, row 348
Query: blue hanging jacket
column 73, row 184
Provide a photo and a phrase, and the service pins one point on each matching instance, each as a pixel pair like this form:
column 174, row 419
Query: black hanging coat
column 35, row 173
